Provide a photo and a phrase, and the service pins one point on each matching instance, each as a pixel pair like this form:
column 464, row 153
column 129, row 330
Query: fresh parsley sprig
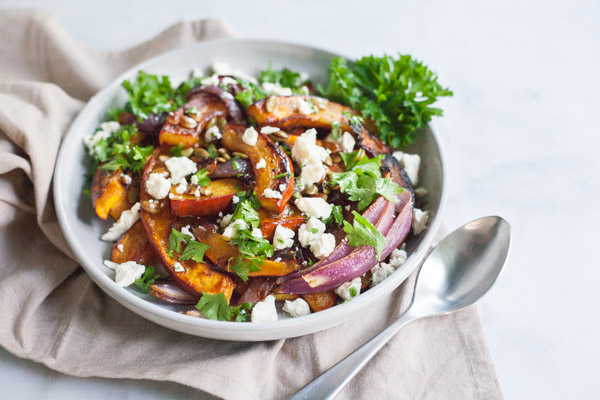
column 116, row 151
column 362, row 232
column 194, row 249
column 395, row 93
column 362, row 180
column 214, row 306
column 146, row 280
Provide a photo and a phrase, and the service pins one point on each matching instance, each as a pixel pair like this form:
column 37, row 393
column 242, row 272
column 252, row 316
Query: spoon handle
column 329, row 384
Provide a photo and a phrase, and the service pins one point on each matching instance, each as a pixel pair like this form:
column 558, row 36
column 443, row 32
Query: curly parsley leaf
column 244, row 265
column 146, row 280
column 250, row 93
column 396, row 93
column 362, row 232
column 241, row 312
column 115, row 151
column 149, row 94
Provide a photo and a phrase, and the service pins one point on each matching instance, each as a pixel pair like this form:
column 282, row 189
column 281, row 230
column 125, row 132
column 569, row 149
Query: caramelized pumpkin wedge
column 277, row 177
column 220, row 252
column 110, row 193
column 134, row 246
column 195, row 277
column 185, row 129
column 320, row 301
column 220, row 197
column 286, row 115
column 289, row 218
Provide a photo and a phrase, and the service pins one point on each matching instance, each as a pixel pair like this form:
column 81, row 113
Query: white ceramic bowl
column 83, row 229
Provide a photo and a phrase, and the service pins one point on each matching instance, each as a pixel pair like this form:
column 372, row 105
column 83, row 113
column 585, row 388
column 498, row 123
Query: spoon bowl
column 462, row 267
column 457, row 273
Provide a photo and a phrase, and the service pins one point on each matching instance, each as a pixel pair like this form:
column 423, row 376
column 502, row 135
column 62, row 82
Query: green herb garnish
column 195, row 251
column 214, row 306
column 202, row 176
column 396, row 93
column 146, row 280
column 175, row 151
column 362, row 232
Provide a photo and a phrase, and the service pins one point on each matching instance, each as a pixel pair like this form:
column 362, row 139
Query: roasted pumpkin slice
column 290, row 218
column 195, row 277
column 286, row 115
column 134, row 246
column 185, row 128
column 223, row 254
column 320, row 301
column 110, row 193
column 275, row 181
column 218, row 198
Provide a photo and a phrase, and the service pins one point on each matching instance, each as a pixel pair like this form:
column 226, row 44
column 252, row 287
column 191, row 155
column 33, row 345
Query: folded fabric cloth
column 54, row 314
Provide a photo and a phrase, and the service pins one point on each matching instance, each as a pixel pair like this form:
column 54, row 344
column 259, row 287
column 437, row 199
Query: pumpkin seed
column 187, row 122
column 271, row 104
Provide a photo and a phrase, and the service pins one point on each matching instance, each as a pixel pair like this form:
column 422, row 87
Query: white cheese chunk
column 380, row 272
column 267, row 130
column 180, row 167
column 177, row 267
column 181, row 188
column 231, row 230
column 250, row 136
column 348, row 142
column 314, row 207
column 257, row 233
column 304, row 107
column 312, row 173
column 272, row 194
column 213, row 133
column 323, row 246
column 397, row 258
column 120, row 247
column 105, row 130
column 350, row 289
column 283, row 238
column 261, row 164
column 265, row 311
column 126, row 221
column 310, row 156
column 296, row 308
column 187, row 231
column 226, row 220
column 410, row 163
column 158, row 186
column 126, row 179
column 419, row 220
column 127, row 272
column 310, row 232
column 276, row 89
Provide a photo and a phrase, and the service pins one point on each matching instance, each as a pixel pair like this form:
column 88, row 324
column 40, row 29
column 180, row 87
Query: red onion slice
column 169, row 292
column 372, row 214
column 360, row 261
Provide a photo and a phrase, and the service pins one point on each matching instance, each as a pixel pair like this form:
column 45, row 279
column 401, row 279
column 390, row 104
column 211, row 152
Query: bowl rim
column 283, row 328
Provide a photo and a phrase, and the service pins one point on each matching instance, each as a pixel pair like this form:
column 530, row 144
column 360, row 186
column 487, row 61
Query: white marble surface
column 521, row 139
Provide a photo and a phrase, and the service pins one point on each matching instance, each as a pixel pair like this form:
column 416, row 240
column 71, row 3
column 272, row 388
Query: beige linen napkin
column 52, row 313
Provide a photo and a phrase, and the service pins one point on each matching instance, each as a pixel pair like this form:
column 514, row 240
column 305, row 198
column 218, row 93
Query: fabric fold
column 54, row 314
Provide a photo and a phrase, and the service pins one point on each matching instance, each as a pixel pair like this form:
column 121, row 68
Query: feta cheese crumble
column 283, row 238
column 323, row 246
column 383, row 270
column 309, row 232
column 304, row 107
column 126, row 179
column 348, row 142
column 419, row 220
column 310, row 156
column 250, row 136
column 272, row 194
column 276, row 89
column 265, row 311
column 213, row 133
column 186, row 231
column 350, row 289
column 127, row 272
column 158, row 186
column 120, row 247
column 257, row 233
column 296, row 308
column 181, row 188
column 180, row 167
column 261, row 164
column 267, row 130
column 104, row 132
column 410, row 163
column 126, row 221
column 314, row 207
column 177, row 267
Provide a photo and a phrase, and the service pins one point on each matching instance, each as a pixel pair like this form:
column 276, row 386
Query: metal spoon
column 459, row 271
